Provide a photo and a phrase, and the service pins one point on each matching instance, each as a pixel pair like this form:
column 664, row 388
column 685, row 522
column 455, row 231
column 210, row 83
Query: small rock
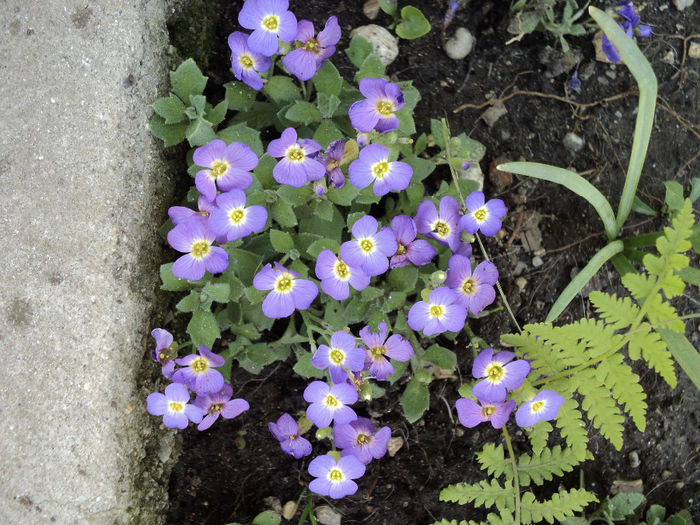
column 573, row 142
column 327, row 516
column 666, row 474
column 611, row 74
column 495, row 112
column 694, row 50
column 274, row 504
column 620, row 485
column 521, row 283
column 371, row 9
column 670, row 57
column 603, row 81
column 586, row 71
column 386, row 47
column 394, row 445
column 520, row 267
column 289, row 510
column 537, row 261
column 460, row 45
column 600, row 55
column 682, row 4
column 459, row 432
column 634, row 459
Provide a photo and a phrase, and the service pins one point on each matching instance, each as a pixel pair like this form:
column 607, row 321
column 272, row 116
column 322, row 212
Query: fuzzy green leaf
column 282, row 242
column 203, row 329
column 539, row 434
column 562, row 505
column 303, row 112
column 442, row 357
column 482, row 494
column 217, row 114
column 170, row 108
column 172, row 283
column 327, row 79
column 415, row 400
column 492, row 459
column 242, row 133
column 239, row 96
column 187, row 80
column 170, row 134
column 281, row 89
column 358, row 50
column 413, row 23
column 371, row 66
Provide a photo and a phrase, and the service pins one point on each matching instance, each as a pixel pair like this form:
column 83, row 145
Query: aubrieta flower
column 286, row 431
column 331, row 160
column 174, row 406
column 631, row 20
column 305, row 61
column 232, row 219
column 297, row 166
column 470, row 413
column 288, row 292
column 500, row 377
column 268, row 19
column 376, row 111
column 194, row 239
column 464, row 249
column 373, row 165
column 341, row 355
column 441, row 313
column 246, row 63
column 335, row 478
column 199, row 371
column 441, row 226
column 228, row 167
column 379, row 348
column 337, row 276
column 481, row 215
column 358, row 439
column 180, row 214
column 409, row 250
column 475, row 290
column 370, row 249
column 165, row 351
column 543, row 407
column 329, row 403
column 215, row 404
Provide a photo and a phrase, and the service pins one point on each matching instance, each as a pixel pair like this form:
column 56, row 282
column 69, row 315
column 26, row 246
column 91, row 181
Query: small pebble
column 289, row 510
column 682, row 4
column 495, row 112
column 394, row 445
column 537, row 262
column 573, row 142
column 611, row 74
column 666, row 474
column 327, row 516
column 634, row 459
column 460, row 45
column 371, row 9
column 521, row 283
column 694, row 50
column 386, row 47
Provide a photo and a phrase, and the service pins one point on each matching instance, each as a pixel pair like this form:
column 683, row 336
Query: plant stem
column 516, row 480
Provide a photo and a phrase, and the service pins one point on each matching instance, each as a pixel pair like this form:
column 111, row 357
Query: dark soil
column 218, row 480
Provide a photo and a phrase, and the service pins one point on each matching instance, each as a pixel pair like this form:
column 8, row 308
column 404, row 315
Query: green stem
column 516, row 479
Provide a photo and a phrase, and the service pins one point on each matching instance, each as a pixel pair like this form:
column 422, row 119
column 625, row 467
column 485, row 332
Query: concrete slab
column 82, row 189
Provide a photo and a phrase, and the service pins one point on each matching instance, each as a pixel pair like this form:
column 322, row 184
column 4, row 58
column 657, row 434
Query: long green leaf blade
column 684, row 353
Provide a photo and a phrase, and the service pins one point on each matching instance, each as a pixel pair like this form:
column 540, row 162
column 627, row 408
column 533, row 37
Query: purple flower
column 370, row 249
column 297, row 167
column 268, row 19
column 180, row 214
column 379, row 348
column 288, row 292
column 247, row 64
column 409, row 250
column 165, row 351
column 442, row 226
column 342, row 355
column 174, row 406
column 475, row 290
column 335, row 478
column 232, row 219
column 574, row 83
column 374, row 166
column 193, row 238
column 329, row 403
column 630, row 22
column 543, row 407
column 500, row 376
column 442, row 312
column 377, row 110
column 336, row 276
column 219, row 403
column 464, row 249
column 482, row 216
column 358, row 438
column 331, row 160
column 305, row 61
column 199, row 372
column 450, row 13
column 470, row 413
column 286, row 431
column 228, row 167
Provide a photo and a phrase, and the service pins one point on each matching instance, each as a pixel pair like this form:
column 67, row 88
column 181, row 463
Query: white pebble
column 460, row 45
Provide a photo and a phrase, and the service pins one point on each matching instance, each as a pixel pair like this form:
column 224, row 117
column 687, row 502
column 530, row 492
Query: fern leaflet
column 538, row 434
column 562, row 505
column 618, row 312
column 625, row 388
column 541, row 467
column 601, row 408
column 572, row 428
column 648, row 344
column 482, row 494
column 492, row 459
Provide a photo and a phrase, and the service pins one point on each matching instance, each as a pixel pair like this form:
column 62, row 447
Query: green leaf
column 327, row 80
column 242, row 133
column 327, row 105
column 203, row 329
column 415, row 400
column 262, row 115
column 296, row 196
column 239, row 96
column 304, row 368
column 403, row 278
column 690, row 275
column 170, row 282
column 189, row 303
column 282, row 242
column 199, row 132
column 344, row 196
column 170, row 134
column 327, row 132
column 325, row 210
column 217, row 114
column 318, row 246
column 394, row 301
column 218, row 292
column 283, row 214
column 281, row 89
column 440, row 356
column 246, row 264
column 562, row 505
column 187, row 80
column 482, row 494
column 304, row 112
column 267, row 517
column 370, row 293
column 371, row 66
column 674, row 194
column 421, row 167
column 639, row 206
column 355, row 310
column 623, row 505
column 170, row 108
column 684, row 352
column 413, row 24
column 694, row 189
column 388, row 6
column 358, row 50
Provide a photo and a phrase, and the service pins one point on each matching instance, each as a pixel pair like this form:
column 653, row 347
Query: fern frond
column 539, row 434
column 671, row 284
column 675, row 239
column 659, row 312
column 540, row 468
column 492, row 459
column 598, row 337
column 600, row 407
column 618, row 312
column 572, row 429
column 648, row 344
column 455, row 522
column 482, row 494
column 562, row 505
column 565, row 339
column 639, row 285
column 544, row 358
column 625, row 388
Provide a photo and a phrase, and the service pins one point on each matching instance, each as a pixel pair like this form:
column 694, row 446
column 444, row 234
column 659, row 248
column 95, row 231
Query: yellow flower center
column 377, row 352
column 495, row 372
column 175, row 406
column 335, row 475
column 384, row 107
column 200, row 249
column 469, row 286
column 537, row 407
column 362, row 439
column 284, row 283
column 271, row 22
column 480, row 214
column 341, row 270
column 367, row 245
column 380, row 169
column 401, row 249
column 246, row 61
column 441, row 228
column 215, row 408
column 295, row 154
column 488, row 411
column 336, row 356
column 199, row 365
column 331, row 401
column 312, row 45
column 218, row 168
column 237, row 216
column 437, row 310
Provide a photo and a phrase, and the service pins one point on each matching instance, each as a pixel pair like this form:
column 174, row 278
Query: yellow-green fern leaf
column 562, row 505
column 540, row 468
column 648, row 344
column 565, row 339
column 625, row 388
column 617, row 312
column 539, row 434
column 661, row 313
column 492, row 460
column 572, row 428
column 600, row 407
column 543, row 357
column 639, row 285
column 482, row 494
column 675, row 239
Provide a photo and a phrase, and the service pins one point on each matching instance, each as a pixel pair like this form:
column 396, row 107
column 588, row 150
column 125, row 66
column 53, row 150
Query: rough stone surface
column 386, row 46
column 83, row 192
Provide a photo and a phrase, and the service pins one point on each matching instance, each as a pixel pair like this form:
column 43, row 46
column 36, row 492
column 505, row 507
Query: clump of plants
column 335, row 243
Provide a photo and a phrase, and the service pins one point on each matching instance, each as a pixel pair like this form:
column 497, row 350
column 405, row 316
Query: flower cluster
column 631, row 21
